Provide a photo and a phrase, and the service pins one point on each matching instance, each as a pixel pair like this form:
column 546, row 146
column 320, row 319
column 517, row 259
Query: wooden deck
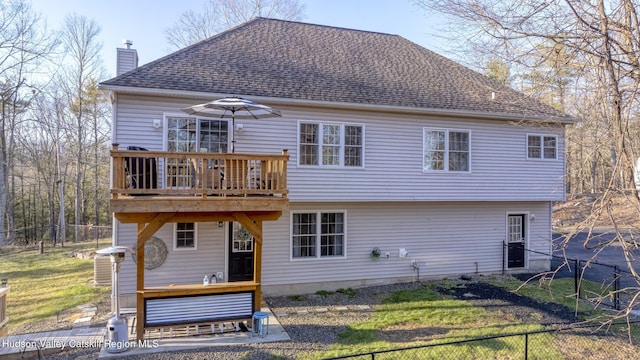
column 153, row 188
column 192, row 179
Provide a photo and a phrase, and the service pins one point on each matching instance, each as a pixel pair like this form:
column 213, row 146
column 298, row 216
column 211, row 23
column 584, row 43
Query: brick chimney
column 127, row 58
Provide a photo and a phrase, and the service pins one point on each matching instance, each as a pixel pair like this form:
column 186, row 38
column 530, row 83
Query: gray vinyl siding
column 127, row 59
column 499, row 168
column 451, row 223
column 180, row 266
column 444, row 238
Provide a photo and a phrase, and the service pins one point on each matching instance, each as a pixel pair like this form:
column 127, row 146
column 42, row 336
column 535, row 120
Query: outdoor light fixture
column 157, row 123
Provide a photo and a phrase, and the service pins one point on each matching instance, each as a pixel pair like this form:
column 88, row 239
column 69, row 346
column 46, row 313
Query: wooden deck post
column 140, row 285
column 255, row 228
column 145, row 231
column 117, row 182
column 283, row 172
column 257, row 267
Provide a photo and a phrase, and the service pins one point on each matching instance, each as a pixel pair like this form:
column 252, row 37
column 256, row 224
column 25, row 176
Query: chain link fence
column 598, row 283
column 33, row 235
column 583, row 342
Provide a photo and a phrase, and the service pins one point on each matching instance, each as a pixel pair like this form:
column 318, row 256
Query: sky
column 144, row 21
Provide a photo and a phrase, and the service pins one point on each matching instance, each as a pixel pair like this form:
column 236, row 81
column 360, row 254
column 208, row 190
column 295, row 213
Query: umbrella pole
column 233, row 132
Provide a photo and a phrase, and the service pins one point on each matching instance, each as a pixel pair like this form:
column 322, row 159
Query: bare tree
column 80, row 39
column 585, row 54
column 38, row 143
column 97, row 110
column 24, row 43
column 219, row 15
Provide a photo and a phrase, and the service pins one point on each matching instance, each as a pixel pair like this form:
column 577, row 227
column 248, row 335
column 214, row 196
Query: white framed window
column 318, row 234
column 190, row 134
column 542, row 146
column 185, row 236
column 446, row 150
column 330, row 145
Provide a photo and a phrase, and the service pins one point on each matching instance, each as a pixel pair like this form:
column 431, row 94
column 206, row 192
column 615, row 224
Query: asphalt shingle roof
column 293, row 60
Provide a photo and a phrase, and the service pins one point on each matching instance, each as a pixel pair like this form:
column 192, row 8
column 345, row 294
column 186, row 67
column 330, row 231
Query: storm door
column 240, row 253
column 516, row 239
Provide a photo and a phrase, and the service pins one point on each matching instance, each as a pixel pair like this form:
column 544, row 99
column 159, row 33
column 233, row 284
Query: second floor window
column 331, row 144
column 446, row 150
column 186, row 134
column 541, row 146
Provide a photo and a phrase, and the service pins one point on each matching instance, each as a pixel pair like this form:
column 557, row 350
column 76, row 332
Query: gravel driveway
column 313, row 321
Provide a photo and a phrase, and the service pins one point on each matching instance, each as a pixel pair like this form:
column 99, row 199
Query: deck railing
column 4, row 320
column 137, row 172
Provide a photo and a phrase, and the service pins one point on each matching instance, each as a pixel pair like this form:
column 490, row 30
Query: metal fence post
column 616, row 287
column 576, row 289
column 504, row 257
column 526, row 346
column 576, row 272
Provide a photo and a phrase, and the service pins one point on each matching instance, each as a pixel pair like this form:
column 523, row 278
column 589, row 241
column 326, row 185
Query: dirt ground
column 584, row 210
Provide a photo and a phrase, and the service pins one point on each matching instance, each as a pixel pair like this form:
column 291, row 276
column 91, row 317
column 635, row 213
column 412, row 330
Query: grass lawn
column 42, row 286
column 424, row 316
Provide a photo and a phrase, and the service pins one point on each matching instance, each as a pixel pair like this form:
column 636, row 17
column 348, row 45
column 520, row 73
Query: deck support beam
column 252, row 221
column 255, row 228
column 145, row 232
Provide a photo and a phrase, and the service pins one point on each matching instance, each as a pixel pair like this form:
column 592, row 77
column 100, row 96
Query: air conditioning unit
column 102, row 270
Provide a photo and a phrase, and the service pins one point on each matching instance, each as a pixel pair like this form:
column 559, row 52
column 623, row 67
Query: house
column 382, row 147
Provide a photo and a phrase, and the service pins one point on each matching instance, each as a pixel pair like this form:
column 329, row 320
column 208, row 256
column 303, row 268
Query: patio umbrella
column 234, row 108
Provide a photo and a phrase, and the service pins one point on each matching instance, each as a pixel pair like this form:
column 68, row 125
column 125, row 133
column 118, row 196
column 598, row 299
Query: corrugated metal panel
column 194, row 309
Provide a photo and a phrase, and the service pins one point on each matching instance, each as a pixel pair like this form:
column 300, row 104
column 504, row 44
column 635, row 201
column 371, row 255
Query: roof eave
column 199, row 95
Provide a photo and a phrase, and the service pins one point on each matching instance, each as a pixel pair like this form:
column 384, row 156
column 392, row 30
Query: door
column 240, row 253
column 516, row 239
column 188, row 134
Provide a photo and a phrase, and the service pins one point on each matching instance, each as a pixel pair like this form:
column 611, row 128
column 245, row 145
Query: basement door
column 516, row 239
column 240, row 253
